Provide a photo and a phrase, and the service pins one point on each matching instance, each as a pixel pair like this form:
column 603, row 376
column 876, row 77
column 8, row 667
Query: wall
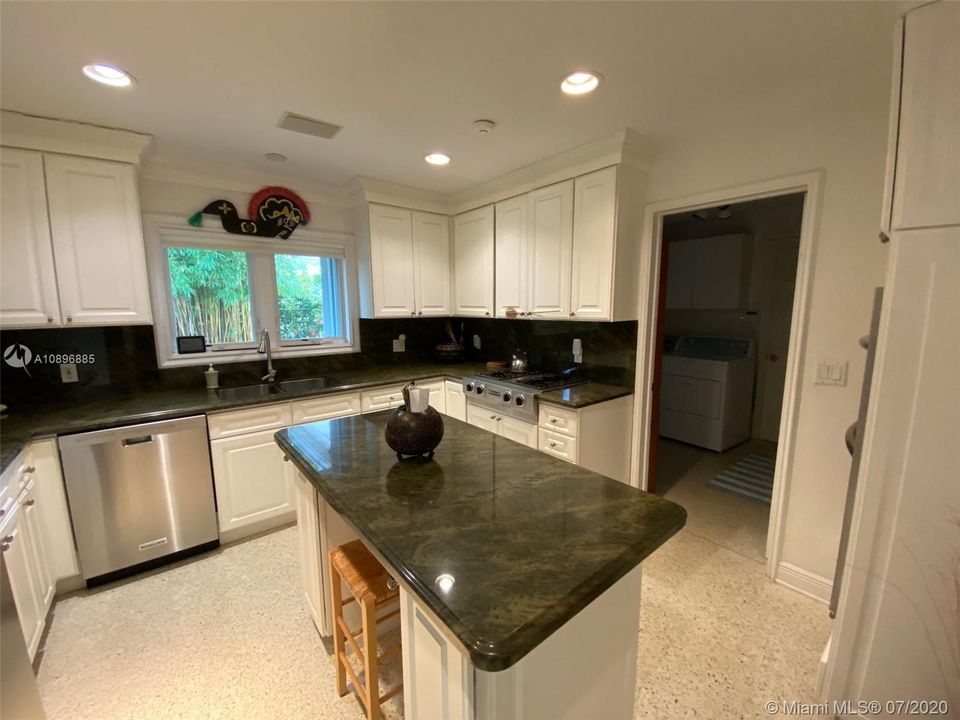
column 847, row 141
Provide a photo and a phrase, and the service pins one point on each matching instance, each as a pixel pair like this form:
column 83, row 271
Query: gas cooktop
column 513, row 393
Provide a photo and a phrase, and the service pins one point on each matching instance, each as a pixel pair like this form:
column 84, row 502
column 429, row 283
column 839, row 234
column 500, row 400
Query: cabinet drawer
column 10, row 486
column 559, row 420
column 326, row 407
column 381, row 398
column 558, row 445
column 239, row 422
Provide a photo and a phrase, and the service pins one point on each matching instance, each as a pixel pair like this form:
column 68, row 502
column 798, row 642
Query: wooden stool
column 373, row 589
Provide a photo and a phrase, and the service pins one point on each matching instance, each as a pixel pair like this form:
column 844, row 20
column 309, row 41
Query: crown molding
column 243, row 180
column 383, row 192
column 70, row 137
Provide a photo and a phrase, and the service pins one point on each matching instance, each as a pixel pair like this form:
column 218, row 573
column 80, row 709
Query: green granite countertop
column 528, row 539
column 579, row 396
column 112, row 410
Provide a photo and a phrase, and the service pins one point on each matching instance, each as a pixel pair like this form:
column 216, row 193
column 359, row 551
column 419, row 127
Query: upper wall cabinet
column 511, row 256
column 89, row 254
column 550, row 243
column 924, row 150
column 97, row 241
column 473, row 252
column 409, row 263
column 708, row 273
column 28, row 281
column 594, row 245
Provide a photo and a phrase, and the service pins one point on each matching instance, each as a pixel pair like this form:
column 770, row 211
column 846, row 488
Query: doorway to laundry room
column 727, row 284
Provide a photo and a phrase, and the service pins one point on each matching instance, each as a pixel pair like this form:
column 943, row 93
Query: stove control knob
column 507, row 396
column 479, row 390
column 469, row 387
column 520, row 400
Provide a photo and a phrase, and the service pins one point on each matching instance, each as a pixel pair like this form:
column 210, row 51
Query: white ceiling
column 405, row 79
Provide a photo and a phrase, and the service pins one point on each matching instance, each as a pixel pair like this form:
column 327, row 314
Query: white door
column 392, row 262
column 926, row 191
column 774, row 335
column 431, row 248
column 482, row 418
column 251, row 478
column 455, row 402
column 473, row 263
column 518, row 431
column 97, row 241
column 594, row 238
column 24, row 584
column 897, row 627
column 550, row 242
column 311, row 564
column 511, row 255
column 28, row 281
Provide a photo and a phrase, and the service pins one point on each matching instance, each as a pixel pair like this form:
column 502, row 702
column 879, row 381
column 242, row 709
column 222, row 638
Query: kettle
column 519, row 361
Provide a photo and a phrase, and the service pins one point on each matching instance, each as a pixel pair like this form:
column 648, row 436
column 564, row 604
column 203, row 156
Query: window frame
column 163, row 232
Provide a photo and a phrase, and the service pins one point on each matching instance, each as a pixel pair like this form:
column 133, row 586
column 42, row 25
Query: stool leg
column 338, row 639
column 371, row 675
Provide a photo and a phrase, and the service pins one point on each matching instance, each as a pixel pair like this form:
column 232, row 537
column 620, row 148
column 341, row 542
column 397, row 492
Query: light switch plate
column 68, row 372
column 476, row 341
column 832, row 372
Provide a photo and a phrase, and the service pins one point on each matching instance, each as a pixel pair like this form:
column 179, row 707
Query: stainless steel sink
column 308, row 385
column 249, row 392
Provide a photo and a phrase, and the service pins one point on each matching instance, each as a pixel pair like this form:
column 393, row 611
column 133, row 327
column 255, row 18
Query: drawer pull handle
column 31, row 502
column 553, row 420
column 27, row 469
column 553, row 444
column 137, row 440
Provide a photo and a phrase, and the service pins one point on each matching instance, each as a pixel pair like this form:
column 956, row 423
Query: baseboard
column 805, row 582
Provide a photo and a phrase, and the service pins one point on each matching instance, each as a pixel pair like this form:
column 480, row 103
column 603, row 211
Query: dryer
column 706, row 391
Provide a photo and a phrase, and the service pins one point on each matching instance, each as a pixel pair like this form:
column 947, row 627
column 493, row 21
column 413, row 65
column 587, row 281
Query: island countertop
column 528, row 540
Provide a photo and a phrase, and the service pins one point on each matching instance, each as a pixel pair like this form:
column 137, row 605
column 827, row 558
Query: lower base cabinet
column 312, row 562
column 508, row 427
column 456, row 401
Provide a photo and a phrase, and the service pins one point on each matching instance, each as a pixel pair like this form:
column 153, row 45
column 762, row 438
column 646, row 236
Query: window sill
column 234, row 356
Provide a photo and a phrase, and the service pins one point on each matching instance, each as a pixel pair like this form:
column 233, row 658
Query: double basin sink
column 266, row 390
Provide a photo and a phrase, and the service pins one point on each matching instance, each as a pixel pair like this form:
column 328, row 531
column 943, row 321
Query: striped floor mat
column 750, row 478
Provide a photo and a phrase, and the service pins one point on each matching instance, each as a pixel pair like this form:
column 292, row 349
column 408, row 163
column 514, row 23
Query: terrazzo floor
column 227, row 635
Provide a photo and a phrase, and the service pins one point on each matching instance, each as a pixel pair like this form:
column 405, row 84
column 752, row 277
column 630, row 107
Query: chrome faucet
column 264, row 347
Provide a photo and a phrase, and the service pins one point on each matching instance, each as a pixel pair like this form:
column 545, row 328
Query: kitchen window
column 229, row 288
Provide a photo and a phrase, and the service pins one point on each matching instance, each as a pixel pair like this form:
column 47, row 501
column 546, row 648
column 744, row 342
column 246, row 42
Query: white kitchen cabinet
column 594, row 245
column 926, row 188
column 325, row 407
column 28, row 281
column 511, row 256
column 708, row 273
column 97, row 241
column 507, row 427
column 381, row 398
column 455, row 401
column 431, row 248
column 54, row 516
column 392, row 261
column 596, row 437
column 438, row 399
column 311, row 561
column 253, row 484
column 473, row 263
column 550, row 244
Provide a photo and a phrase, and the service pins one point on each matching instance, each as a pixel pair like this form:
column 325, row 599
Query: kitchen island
column 519, row 573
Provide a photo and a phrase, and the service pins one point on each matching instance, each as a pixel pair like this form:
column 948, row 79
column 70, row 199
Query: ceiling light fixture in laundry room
column 580, row 82
column 107, row 74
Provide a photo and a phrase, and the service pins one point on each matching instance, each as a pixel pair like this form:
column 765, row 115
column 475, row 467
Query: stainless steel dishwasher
column 139, row 496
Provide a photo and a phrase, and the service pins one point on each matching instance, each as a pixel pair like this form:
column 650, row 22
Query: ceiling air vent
column 308, row 125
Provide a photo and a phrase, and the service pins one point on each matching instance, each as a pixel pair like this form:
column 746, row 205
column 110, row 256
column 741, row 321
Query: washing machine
column 706, row 391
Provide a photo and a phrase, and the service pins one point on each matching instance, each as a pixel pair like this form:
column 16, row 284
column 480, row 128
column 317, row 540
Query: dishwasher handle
column 137, row 440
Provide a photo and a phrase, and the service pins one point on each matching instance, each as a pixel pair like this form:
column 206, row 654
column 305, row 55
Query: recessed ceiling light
column 108, row 75
column 276, row 157
column 580, row 82
column 437, row 159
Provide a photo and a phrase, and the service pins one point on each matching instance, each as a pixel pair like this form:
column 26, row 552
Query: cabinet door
column 23, row 582
column 511, row 255
column 325, row 407
column 482, row 418
column 431, row 249
column 54, row 515
column 311, row 564
column 681, row 268
column 594, row 238
column 550, row 242
column 28, row 282
column 31, row 511
column 518, row 431
column 456, row 401
column 438, row 400
column 391, row 261
column 382, row 398
column 926, row 189
column 473, row 263
column 251, row 480
column 719, row 273
column 97, row 241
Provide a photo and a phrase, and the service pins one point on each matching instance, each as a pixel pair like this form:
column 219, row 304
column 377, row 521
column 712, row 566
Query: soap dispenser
column 213, row 377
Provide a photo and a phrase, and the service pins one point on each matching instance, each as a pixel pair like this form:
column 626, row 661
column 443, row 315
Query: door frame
column 651, row 235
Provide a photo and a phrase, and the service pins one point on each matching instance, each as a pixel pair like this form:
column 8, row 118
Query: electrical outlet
column 577, row 350
column 68, row 372
column 400, row 344
column 476, row 342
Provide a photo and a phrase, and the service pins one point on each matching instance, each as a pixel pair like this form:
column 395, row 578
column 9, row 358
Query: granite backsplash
column 125, row 360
